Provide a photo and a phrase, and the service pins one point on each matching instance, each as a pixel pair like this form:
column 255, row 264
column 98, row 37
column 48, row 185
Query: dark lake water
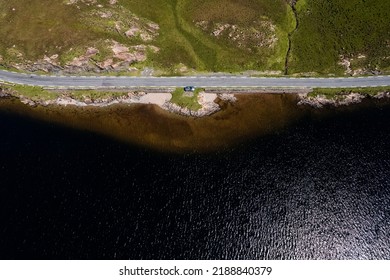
column 319, row 189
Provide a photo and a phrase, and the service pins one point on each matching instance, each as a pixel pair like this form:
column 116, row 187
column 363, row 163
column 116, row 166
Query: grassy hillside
column 188, row 26
column 179, row 36
column 184, row 40
column 39, row 26
column 356, row 31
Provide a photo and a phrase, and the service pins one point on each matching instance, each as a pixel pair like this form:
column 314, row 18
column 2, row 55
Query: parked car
column 189, row 88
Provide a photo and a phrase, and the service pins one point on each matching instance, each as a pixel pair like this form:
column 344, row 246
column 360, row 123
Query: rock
column 107, row 64
column 133, row 31
column 351, row 98
column 219, row 28
column 54, row 57
column 154, row 49
column 261, row 34
column 381, row 95
column 147, row 33
column 118, row 48
column 153, row 26
column 91, row 52
column 123, row 53
column 202, row 25
column 87, row 2
column 206, row 100
column 174, row 108
column 47, row 64
column 79, row 61
column 4, row 93
column 83, row 63
column 146, row 37
column 321, row 101
column 28, row 101
column 346, row 64
column 107, row 14
column 227, row 97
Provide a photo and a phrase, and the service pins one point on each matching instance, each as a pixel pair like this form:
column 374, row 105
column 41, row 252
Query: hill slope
column 173, row 35
column 181, row 36
column 337, row 36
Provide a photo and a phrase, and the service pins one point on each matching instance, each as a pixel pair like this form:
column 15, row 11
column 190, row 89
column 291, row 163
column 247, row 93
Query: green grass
column 32, row 92
column 191, row 102
column 225, row 55
column 332, row 93
column 36, row 93
column 94, row 94
column 184, row 42
column 328, row 29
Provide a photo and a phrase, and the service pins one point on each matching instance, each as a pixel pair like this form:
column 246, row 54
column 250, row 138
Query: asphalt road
column 198, row 81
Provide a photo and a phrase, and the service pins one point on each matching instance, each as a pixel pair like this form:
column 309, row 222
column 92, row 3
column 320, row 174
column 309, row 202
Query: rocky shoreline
column 161, row 99
column 320, row 101
column 4, row 94
column 208, row 101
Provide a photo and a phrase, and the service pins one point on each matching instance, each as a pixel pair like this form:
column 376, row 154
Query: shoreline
column 209, row 101
column 151, row 126
column 321, row 101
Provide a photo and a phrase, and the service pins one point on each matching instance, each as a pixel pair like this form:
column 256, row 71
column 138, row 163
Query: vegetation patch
column 177, row 37
column 60, row 31
column 185, row 99
column 31, row 92
column 332, row 33
column 91, row 95
column 73, row 36
column 246, row 34
column 332, row 93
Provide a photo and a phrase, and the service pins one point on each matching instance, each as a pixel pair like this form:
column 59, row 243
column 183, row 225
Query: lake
column 261, row 180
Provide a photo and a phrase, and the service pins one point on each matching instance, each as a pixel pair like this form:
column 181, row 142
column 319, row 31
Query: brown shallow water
column 251, row 116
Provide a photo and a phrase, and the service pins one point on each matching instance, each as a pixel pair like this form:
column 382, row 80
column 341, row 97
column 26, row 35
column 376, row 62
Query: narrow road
column 198, row 81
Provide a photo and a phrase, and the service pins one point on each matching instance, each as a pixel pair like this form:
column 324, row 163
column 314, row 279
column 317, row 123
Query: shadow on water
column 152, row 127
column 316, row 187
